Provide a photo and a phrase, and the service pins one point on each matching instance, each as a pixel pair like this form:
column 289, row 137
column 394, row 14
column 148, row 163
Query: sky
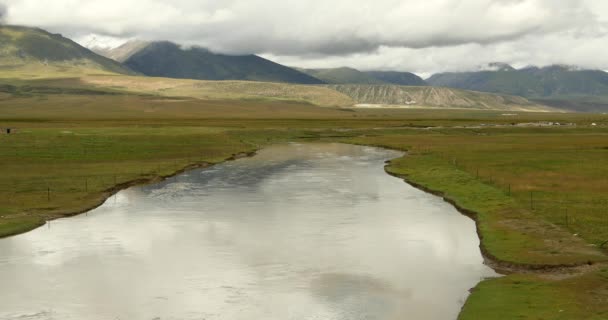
column 424, row 37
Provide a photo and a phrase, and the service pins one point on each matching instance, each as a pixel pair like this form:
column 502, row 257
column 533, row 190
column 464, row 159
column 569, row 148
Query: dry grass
column 34, row 70
column 222, row 90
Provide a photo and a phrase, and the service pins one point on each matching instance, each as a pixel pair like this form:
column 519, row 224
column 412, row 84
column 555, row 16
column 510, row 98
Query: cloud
column 379, row 34
column 2, row 12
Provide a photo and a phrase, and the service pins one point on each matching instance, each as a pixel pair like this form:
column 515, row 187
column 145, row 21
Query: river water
column 300, row 231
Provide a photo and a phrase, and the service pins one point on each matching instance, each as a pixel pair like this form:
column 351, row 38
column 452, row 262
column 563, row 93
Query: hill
column 34, row 53
column 217, row 90
column 398, row 78
column 553, row 82
column 167, row 59
column 342, row 75
column 392, row 95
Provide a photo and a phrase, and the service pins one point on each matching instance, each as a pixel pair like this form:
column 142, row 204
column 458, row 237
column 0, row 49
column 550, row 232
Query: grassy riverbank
column 54, row 172
column 493, row 172
column 539, row 192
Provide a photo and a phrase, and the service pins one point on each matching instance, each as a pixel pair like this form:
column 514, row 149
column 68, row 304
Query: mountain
column 346, row 75
column 399, row 78
column 167, row 59
column 342, row 75
column 496, row 66
column 122, row 52
column 35, row 53
column 555, row 81
column 425, row 96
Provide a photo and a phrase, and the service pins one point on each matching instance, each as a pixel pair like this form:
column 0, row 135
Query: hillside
column 533, row 82
column 167, row 59
column 392, row 95
column 218, row 90
column 398, row 78
column 34, row 53
column 342, row 75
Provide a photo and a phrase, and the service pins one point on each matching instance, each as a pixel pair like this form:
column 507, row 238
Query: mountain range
column 167, row 59
column 533, row 82
column 34, row 53
column 556, row 85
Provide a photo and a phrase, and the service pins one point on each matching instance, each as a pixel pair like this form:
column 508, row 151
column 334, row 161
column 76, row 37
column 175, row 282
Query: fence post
column 531, row 200
column 48, row 193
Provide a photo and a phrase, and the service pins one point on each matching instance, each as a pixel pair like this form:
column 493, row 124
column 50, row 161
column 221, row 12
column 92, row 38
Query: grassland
column 70, row 150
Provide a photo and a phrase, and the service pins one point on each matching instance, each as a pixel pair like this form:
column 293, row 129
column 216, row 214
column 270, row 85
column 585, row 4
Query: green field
column 538, row 192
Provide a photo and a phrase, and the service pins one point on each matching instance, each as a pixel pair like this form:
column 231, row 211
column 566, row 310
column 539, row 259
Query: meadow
column 540, row 202
column 538, row 191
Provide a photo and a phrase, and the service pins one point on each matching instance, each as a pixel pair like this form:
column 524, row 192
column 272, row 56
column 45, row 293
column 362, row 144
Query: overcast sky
column 422, row 36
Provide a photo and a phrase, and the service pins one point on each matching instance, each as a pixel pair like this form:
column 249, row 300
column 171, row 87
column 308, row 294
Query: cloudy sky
column 422, row 36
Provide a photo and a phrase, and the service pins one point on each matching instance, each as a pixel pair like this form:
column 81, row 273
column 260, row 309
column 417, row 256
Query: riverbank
column 106, row 194
column 551, row 273
column 54, row 173
column 500, row 266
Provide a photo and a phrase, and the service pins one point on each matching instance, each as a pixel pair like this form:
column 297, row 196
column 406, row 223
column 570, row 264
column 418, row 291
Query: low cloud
column 372, row 34
column 3, row 11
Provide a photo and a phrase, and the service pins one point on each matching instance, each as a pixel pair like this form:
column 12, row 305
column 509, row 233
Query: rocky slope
column 409, row 96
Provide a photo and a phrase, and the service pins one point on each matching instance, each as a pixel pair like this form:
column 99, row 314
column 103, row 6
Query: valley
column 502, row 146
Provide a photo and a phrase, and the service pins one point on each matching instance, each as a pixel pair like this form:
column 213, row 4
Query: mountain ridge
column 398, row 78
column 532, row 82
column 341, row 75
column 168, row 59
column 34, row 52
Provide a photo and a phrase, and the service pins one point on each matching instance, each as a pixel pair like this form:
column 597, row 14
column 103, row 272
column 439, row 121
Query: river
column 300, row 231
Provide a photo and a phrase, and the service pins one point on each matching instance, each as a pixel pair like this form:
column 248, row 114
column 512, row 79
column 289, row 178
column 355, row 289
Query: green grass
column 532, row 297
column 52, row 172
column 13, row 226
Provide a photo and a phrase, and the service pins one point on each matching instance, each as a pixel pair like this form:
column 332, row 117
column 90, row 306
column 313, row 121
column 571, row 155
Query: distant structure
column 7, row 130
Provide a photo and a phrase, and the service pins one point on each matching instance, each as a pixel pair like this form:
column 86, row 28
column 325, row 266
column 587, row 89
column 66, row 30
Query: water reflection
column 314, row 231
